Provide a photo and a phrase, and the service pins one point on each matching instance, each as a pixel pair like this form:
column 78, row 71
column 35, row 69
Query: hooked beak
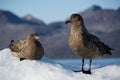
column 68, row 21
column 37, row 37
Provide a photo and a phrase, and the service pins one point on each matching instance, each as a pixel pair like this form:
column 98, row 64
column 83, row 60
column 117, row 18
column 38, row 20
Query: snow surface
column 47, row 69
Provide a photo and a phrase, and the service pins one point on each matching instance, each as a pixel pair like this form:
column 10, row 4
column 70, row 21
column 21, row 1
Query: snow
column 47, row 69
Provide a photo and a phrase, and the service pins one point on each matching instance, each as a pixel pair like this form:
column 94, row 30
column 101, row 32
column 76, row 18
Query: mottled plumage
column 83, row 43
column 30, row 48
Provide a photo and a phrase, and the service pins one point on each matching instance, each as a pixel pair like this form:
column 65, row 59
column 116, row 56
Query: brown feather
column 30, row 48
column 83, row 43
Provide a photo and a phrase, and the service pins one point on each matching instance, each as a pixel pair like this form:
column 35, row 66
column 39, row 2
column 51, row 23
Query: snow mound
column 47, row 69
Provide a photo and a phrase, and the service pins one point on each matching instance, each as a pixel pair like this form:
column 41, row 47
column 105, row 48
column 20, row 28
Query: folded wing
column 17, row 46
